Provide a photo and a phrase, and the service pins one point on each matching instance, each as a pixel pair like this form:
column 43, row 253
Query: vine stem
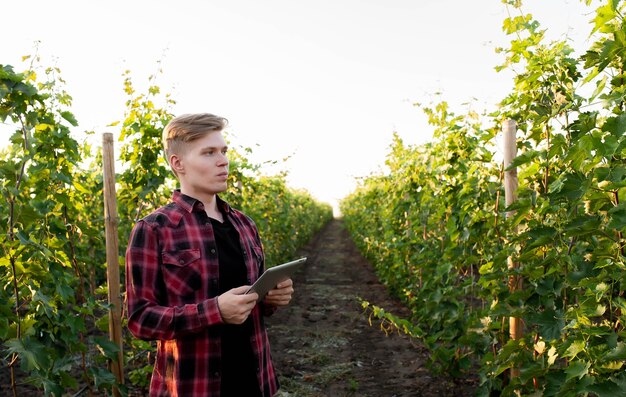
column 620, row 235
column 80, row 298
column 547, row 175
column 620, row 245
column 12, row 258
column 497, row 205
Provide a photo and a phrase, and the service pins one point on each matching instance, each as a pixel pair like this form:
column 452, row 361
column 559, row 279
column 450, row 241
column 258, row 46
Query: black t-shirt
column 238, row 362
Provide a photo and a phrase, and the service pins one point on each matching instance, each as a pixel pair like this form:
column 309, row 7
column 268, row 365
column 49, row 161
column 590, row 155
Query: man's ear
column 176, row 162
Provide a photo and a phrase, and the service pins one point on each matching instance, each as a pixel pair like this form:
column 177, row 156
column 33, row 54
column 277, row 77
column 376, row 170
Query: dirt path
column 322, row 343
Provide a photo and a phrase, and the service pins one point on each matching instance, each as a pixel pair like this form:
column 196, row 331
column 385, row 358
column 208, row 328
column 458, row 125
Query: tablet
column 273, row 276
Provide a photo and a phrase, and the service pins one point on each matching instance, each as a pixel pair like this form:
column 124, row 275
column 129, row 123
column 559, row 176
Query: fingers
column 284, row 291
column 239, row 290
column 283, row 288
column 285, row 284
column 281, row 295
column 235, row 306
column 238, row 316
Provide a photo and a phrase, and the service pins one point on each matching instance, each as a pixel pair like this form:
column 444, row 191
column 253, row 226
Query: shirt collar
column 189, row 203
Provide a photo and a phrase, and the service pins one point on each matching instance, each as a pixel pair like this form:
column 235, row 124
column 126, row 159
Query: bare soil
column 323, row 344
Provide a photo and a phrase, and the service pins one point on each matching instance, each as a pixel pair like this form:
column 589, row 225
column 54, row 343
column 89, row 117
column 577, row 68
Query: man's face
column 204, row 166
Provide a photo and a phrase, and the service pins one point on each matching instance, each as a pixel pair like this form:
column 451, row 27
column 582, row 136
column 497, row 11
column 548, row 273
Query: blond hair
column 187, row 128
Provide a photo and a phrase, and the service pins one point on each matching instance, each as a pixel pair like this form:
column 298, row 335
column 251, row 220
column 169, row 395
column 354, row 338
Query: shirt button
column 181, row 261
column 212, row 250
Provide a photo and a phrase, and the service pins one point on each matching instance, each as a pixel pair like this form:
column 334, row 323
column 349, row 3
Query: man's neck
column 212, row 210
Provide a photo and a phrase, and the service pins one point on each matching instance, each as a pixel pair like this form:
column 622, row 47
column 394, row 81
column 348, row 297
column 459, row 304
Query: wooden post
column 112, row 256
column 509, row 129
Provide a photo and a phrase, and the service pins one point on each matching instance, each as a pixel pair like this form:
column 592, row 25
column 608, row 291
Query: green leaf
column 554, row 381
column 583, row 225
column 616, row 174
column 585, row 123
column 576, row 347
column 51, row 388
column 550, row 323
column 523, row 158
column 600, row 85
column 569, row 186
column 618, row 217
column 577, row 369
column 103, row 378
column 617, row 353
column 65, row 291
column 31, row 351
column 541, row 236
column 547, row 286
column 107, row 347
column 70, row 118
column 604, row 15
column 607, row 388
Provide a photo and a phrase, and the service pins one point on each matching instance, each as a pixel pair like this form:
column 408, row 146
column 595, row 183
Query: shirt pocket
column 182, row 271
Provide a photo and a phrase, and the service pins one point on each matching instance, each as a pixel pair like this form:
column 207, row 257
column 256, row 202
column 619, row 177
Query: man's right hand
column 235, row 305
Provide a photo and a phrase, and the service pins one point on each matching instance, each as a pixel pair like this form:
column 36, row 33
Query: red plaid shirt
column 172, row 276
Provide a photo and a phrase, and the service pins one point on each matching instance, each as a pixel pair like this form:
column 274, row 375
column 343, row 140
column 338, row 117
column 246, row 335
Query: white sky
column 327, row 81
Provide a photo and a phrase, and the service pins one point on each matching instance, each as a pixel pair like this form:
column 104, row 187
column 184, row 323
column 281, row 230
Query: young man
column 188, row 265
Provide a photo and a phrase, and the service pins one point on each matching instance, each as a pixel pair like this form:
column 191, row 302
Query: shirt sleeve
column 148, row 318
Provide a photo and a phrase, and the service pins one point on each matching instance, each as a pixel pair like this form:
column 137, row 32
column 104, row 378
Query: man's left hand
column 281, row 294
